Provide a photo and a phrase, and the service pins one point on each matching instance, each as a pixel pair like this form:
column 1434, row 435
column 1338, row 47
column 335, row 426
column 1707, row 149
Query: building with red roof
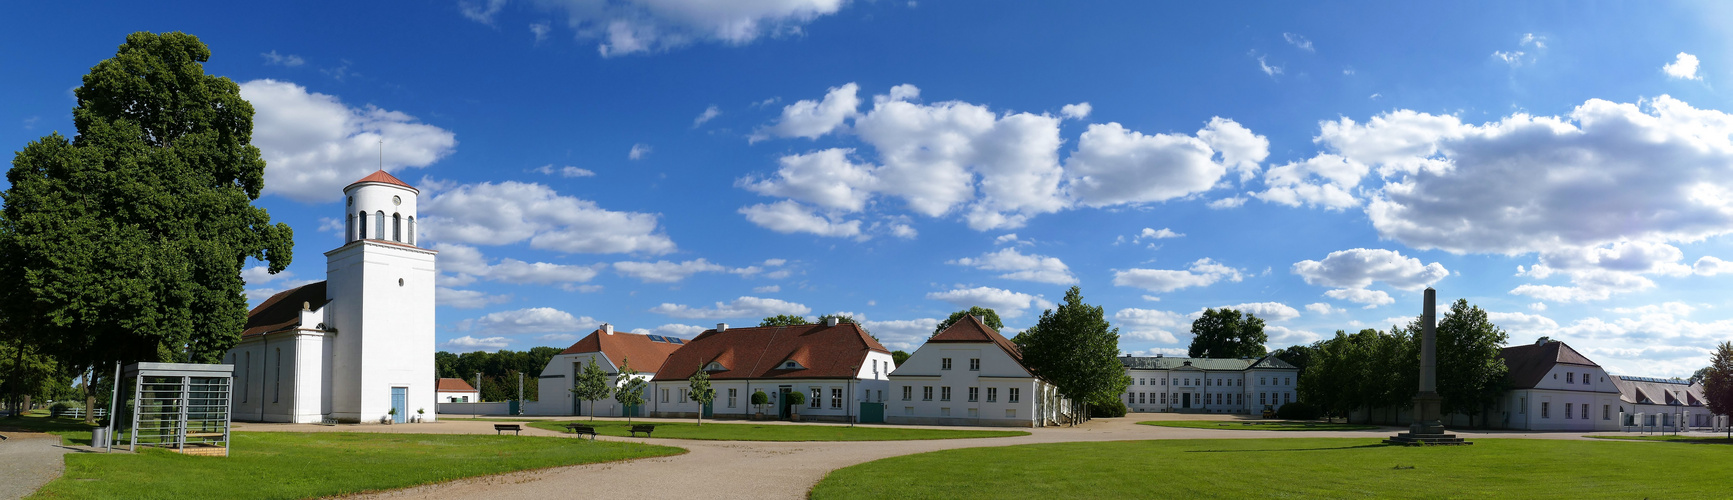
column 611, row 351
column 457, row 390
column 835, row 366
column 969, row 374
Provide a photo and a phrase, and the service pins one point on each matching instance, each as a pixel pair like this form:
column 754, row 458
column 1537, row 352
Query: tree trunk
column 90, row 397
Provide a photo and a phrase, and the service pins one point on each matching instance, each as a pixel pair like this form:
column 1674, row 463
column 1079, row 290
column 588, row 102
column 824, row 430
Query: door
column 1185, row 400
column 872, row 413
column 782, row 402
column 709, row 409
column 400, row 402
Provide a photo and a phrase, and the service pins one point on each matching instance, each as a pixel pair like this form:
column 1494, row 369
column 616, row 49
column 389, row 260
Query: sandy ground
column 759, row 470
column 29, row 460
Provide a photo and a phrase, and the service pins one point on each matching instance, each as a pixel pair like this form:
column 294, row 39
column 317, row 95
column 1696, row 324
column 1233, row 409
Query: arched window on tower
column 361, row 234
column 397, row 228
column 379, row 223
column 349, row 229
column 411, row 230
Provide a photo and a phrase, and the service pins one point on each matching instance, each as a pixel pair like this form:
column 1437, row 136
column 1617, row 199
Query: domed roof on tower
column 382, row 177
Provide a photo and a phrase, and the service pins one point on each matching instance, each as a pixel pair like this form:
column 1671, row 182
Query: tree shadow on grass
column 1377, row 445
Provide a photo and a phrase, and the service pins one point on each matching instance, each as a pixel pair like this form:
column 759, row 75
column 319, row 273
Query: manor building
column 835, row 366
column 969, row 374
column 611, row 351
column 1208, row 385
column 357, row 347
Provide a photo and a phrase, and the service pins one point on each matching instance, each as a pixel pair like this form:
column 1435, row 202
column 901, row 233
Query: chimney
column 607, row 328
column 832, row 321
column 981, row 318
column 721, row 327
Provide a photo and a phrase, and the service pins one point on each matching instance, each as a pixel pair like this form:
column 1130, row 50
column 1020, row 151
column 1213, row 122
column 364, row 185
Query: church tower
column 380, row 286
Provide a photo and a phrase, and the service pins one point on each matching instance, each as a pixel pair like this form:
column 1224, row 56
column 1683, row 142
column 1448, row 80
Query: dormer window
column 790, row 365
column 715, row 367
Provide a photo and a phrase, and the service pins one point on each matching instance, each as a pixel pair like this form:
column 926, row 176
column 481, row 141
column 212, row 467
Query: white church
column 357, row 347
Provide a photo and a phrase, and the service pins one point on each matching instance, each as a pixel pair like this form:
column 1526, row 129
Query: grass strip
column 763, row 432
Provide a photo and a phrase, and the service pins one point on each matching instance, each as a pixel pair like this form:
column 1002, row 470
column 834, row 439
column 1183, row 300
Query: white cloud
column 540, row 30
column 1272, row 71
column 1007, row 303
column 810, row 119
column 1269, row 311
column 638, row 152
column 461, row 265
column 904, row 334
column 291, row 60
column 314, row 145
column 1298, row 41
column 1297, row 183
column 743, row 307
column 709, row 113
column 1513, row 58
column 1113, row 165
column 531, row 320
column 1008, row 238
column 566, row 171
column 669, row 272
column 1523, row 323
column 1202, row 272
column 1537, row 307
column 1281, row 335
column 481, row 11
column 649, row 26
column 1323, row 308
column 767, row 289
column 1361, row 267
column 825, row 178
column 788, row 216
column 1037, row 268
column 511, row 212
column 1683, row 67
column 903, row 231
column 1226, row 203
column 255, row 295
column 468, row 343
column 1667, row 308
column 1077, row 111
column 559, row 338
column 674, row 330
column 1154, row 234
column 1372, row 298
column 466, row 299
column 1152, row 325
column 1710, row 266
column 259, row 275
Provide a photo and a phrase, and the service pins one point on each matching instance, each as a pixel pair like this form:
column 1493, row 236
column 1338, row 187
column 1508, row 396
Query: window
column 1012, row 397
column 246, row 371
column 1545, row 408
column 908, row 410
column 836, row 398
column 1010, row 413
column 974, row 413
column 1522, row 405
column 1567, row 411
column 881, row 396
column 945, row 393
column 1263, row 381
column 1164, row 381
column 817, row 399
column 683, row 393
column 361, row 234
column 277, row 383
column 944, row 412
column 1585, row 409
column 1139, row 381
column 1606, row 412
column 1164, row 398
column 927, row 393
column 908, row 393
column 1287, row 397
column 974, row 364
column 1187, row 381
column 1140, row 397
column 945, row 364
column 397, row 227
column 349, row 229
column 664, row 395
column 1287, row 381
column 379, row 225
column 732, row 393
column 992, row 394
column 1570, row 378
column 411, row 230
column 974, row 394
column 1261, row 398
column 1218, row 398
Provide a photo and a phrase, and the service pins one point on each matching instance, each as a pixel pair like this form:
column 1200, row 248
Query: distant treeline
column 499, row 370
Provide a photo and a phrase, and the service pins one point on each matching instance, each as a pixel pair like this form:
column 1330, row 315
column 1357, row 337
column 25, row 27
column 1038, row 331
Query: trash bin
column 99, row 437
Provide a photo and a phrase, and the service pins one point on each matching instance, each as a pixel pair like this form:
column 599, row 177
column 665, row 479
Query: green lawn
column 1273, row 425
column 1676, row 439
column 760, row 432
column 71, row 431
column 318, row 464
column 1294, row 468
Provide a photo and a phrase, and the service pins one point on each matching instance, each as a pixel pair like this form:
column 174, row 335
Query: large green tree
column 1076, row 349
column 701, row 391
column 1718, row 382
column 499, row 370
column 127, row 241
column 991, row 318
column 591, row 384
column 1471, row 377
column 1225, row 333
column 784, row 320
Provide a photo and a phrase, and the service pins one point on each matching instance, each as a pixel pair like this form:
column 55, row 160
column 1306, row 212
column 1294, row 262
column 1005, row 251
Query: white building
column 1208, row 385
column 456, row 390
column 835, row 366
column 1661, row 404
column 358, row 345
column 969, row 374
column 1554, row 388
column 644, row 354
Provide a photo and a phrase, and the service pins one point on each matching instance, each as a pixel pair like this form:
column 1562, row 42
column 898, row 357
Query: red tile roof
column 971, row 329
column 283, row 310
column 454, row 385
column 639, row 351
column 1530, row 363
column 758, row 352
column 381, row 177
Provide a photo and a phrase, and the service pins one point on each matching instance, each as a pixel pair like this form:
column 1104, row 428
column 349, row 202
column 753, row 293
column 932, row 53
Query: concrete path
column 759, row 470
column 29, row 460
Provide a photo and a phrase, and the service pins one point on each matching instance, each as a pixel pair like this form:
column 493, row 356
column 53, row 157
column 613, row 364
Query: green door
column 782, row 404
column 872, row 413
column 709, row 409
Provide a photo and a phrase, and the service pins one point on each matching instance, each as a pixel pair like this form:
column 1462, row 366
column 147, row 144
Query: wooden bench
column 501, row 428
column 581, row 429
column 646, row 429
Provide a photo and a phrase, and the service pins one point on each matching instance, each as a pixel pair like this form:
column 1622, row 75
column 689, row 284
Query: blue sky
column 666, row 166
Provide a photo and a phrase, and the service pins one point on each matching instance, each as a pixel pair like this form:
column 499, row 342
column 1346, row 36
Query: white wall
column 1164, row 390
column 463, row 409
column 265, row 392
column 392, row 343
column 999, row 373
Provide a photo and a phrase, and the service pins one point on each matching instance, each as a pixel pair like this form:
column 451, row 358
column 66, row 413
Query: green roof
column 1210, row 364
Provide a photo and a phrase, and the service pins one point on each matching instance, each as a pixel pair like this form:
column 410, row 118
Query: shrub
column 57, row 409
column 1299, row 410
column 796, row 399
column 1112, row 408
column 759, row 398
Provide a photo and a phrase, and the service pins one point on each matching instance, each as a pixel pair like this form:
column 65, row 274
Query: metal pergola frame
column 183, row 407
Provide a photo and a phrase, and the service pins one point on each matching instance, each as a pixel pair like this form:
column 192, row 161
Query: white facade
column 1559, row 402
column 555, row 389
column 367, row 348
column 838, row 399
column 1241, row 386
column 956, row 383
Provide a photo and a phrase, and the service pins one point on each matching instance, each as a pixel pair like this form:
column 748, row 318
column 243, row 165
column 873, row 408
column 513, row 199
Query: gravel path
column 759, row 470
column 29, row 460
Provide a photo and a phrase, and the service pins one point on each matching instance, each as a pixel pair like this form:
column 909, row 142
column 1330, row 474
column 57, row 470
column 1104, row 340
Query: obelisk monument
column 1427, row 429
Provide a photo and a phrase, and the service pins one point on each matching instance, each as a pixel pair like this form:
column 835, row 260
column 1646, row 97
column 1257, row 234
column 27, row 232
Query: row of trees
column 1373, row 370
column 499, row 370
